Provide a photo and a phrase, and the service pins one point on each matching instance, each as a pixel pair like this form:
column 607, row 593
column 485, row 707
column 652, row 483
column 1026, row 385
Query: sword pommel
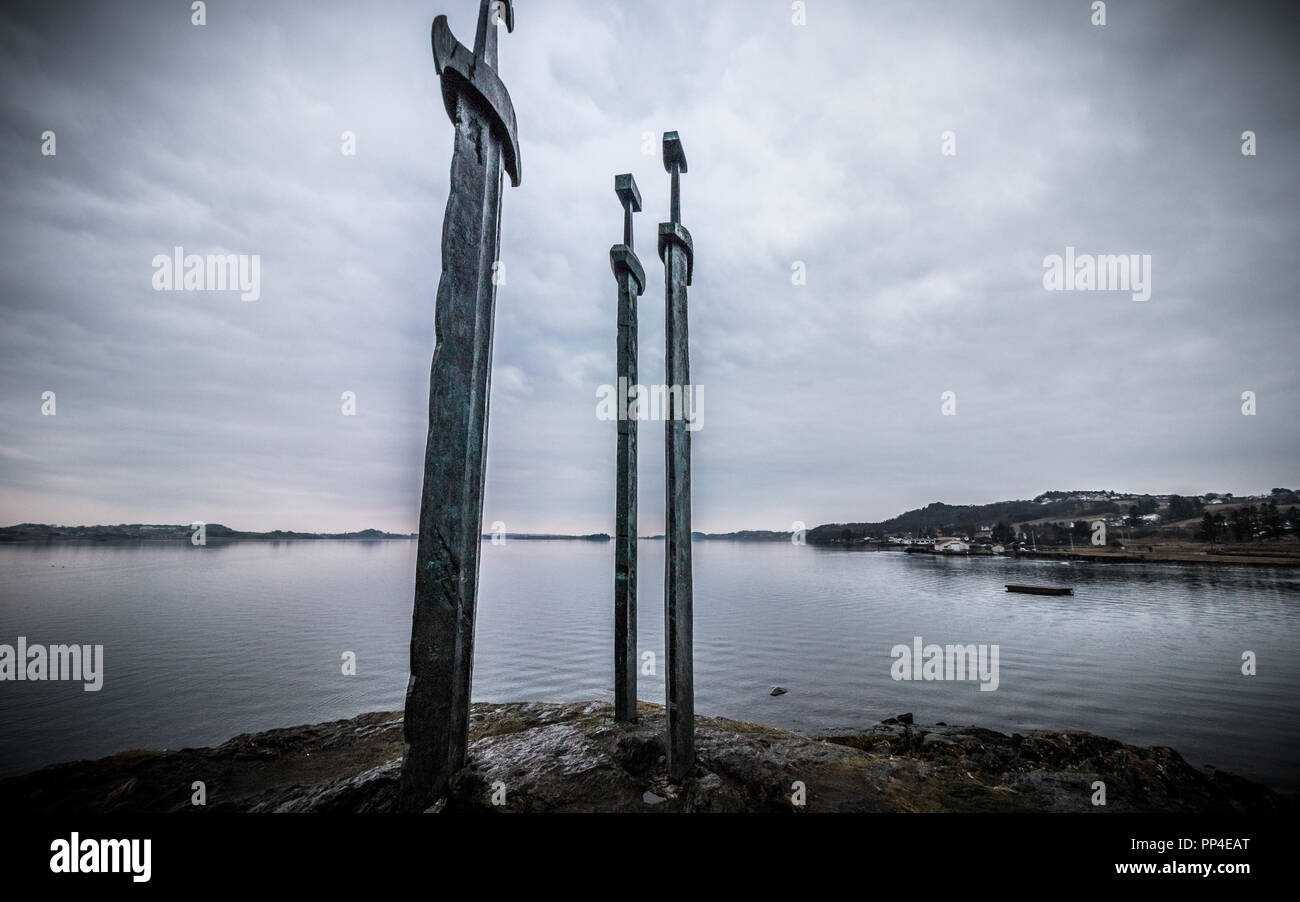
column 675, row 163
column 628, row 195
column 673, row 152
column 490, row 14
column 630, row 198
column 493, row 12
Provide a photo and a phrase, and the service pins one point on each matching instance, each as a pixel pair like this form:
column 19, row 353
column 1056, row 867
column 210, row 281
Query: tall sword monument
column 451, row 508
column 678, row 254
column 631, row 284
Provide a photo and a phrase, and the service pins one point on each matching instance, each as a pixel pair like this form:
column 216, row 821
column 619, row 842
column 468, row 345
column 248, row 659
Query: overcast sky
column 818, row 143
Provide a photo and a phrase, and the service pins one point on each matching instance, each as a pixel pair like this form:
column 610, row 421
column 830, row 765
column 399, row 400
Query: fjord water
column 201, row 644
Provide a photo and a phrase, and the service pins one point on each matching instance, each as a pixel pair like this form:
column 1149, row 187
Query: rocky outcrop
column 543, row 757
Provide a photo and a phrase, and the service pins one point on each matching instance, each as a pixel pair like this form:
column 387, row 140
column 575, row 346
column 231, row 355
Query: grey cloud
column 817, row 144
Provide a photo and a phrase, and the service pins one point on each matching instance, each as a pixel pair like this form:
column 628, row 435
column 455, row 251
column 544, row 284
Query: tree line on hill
column 1249, row 523
column 1060, row 518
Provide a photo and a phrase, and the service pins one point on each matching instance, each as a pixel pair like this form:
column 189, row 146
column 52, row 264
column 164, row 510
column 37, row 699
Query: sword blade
column 625, row 512
column 678, row 594
column 451, row 509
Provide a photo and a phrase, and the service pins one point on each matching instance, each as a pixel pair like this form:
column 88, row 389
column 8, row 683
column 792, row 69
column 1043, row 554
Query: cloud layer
column 817, row 145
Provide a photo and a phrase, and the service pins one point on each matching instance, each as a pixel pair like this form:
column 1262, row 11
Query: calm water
column 204, row 643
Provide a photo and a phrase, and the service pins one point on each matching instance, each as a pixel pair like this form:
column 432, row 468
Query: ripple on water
column 201, row 644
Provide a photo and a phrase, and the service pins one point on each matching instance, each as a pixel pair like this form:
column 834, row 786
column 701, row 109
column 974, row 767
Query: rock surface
column 544, row 757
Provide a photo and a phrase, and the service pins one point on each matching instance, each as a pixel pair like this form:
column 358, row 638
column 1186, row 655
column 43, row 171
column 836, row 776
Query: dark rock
column 124, row 790
column 574, row 757
column 371, row 791
column 777, row 690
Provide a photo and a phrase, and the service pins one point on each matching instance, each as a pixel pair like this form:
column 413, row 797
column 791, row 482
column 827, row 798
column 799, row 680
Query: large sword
column 678, row 253
column 631, row 285
column 451, row 508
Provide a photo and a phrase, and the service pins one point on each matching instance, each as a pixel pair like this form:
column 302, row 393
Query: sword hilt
column 630, row 197
column 472, row 77
column 675, row 163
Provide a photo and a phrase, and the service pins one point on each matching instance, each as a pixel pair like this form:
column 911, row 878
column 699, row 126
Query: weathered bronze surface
column 631, row 284
column 451, row 510
column 678, row 254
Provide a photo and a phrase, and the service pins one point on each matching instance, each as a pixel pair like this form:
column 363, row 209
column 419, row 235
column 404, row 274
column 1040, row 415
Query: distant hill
column 1056, row 506
column 940, row 517
column 552, row 537
column 41, row 532
column 1052, row 514
column 743, row 535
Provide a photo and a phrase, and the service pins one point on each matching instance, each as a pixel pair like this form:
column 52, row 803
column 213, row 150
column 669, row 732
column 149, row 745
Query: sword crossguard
column 623, row 261
column 473, row 76
column 674, row 233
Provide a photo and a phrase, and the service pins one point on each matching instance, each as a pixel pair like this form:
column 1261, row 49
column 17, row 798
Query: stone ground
column 573, row 757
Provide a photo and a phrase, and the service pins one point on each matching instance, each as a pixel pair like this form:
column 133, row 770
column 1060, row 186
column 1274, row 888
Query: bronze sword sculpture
column 678, row 254
column 631, row 284
column 451, row 508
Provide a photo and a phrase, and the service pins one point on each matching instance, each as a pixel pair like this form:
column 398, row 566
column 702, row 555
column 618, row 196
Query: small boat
column 1042, row 590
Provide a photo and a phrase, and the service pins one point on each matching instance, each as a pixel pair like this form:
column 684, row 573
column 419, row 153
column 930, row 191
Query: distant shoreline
column 212, row 540
column 137, row 532
column 1159, row 550
column 28, row 533
column 1166, row 557
column 182, row 535
column 548, row 537
column 1227, row 558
